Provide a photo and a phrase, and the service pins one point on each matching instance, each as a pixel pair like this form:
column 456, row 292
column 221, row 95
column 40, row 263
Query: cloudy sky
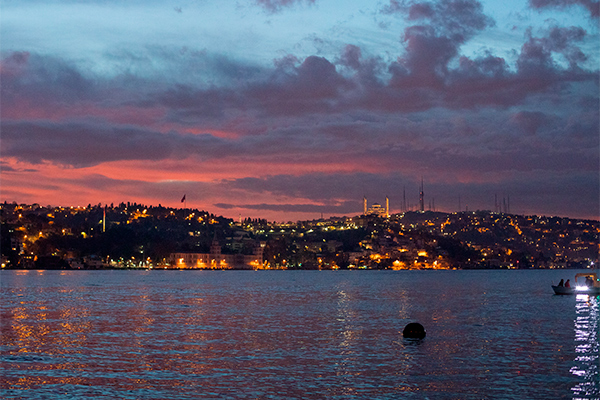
column 286, row 109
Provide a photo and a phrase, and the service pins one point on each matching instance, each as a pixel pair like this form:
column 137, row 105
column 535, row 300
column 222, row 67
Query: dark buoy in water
column 414, row 330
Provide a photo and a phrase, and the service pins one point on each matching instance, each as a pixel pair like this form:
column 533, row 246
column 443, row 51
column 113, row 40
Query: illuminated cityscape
column 300, row 199
column 138, row 236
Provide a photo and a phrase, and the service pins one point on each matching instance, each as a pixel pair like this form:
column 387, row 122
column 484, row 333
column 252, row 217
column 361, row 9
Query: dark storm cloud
column 41, row 79
column 536, row 53
column 191, row 82
column 351, row 57
column 420, row 81
column 185, row 101
column 430, row 73
column 455, row 19
column 85, row 144
column 325, row 187
column 570, row 190
column 424, row 71
column 314, row 86
column 592, row 6
column 522, row 140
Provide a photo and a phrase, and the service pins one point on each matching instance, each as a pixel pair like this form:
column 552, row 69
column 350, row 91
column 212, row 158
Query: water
column 295, row 334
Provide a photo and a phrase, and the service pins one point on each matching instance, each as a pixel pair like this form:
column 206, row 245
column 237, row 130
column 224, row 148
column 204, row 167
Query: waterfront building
column 215, row 259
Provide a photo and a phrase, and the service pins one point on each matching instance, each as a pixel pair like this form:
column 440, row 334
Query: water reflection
column 347, row 335
column 586, row 348
column 308, row 335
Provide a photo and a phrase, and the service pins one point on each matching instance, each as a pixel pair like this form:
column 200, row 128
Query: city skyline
column 289, row 109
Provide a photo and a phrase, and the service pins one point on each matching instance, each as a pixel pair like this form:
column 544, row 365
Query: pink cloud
column 313, row 134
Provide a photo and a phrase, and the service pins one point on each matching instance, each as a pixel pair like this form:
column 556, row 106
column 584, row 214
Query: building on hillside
column 377, row 209
column 215, row 259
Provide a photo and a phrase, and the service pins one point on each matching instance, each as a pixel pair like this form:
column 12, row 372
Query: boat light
column 581, row 288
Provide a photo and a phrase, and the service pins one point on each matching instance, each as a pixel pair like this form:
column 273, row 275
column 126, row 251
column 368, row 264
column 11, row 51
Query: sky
column 296, row 109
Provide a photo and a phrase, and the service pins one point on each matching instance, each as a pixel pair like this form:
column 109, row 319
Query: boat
column 579, row 285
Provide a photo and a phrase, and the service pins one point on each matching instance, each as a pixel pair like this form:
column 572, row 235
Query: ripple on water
column 295, row 334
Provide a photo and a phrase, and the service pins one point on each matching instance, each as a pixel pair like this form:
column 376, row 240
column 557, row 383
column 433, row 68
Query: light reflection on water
column 587, row 350
column 294, row 334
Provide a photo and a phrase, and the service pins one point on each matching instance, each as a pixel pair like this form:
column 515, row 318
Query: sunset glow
column 289, row 109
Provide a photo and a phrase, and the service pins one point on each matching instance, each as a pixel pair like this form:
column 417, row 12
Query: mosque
column 377, row 209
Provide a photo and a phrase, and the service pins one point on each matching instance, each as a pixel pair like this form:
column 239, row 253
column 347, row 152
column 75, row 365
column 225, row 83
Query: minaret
column 365, row 205
column 387, row 207
column 421, row 197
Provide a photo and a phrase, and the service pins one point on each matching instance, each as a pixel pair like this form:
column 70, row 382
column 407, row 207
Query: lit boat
column 579, row 286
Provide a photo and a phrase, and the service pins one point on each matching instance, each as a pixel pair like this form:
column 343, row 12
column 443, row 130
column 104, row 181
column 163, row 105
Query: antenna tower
column 421, row 197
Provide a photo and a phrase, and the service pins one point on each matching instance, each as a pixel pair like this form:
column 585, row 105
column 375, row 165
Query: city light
column 409, row 240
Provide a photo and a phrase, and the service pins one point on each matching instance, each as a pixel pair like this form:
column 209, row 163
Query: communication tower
column 421, row 197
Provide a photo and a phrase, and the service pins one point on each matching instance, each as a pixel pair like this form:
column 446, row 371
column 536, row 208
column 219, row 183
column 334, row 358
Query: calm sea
column 296, row 334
